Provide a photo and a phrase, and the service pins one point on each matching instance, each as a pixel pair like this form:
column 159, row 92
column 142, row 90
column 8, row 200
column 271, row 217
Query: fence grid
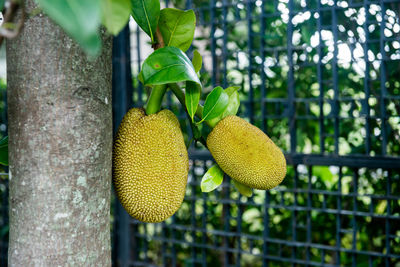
column 321, row 79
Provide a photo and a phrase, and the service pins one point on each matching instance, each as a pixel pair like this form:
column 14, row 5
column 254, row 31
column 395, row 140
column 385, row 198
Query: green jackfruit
column 150, row 165
column 246, row 153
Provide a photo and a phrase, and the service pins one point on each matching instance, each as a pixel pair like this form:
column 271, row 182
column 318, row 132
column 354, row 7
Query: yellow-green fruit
column 246, row 153
column 150, row 164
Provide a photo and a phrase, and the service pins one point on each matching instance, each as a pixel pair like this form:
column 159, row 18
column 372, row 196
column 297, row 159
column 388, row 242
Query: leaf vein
column 173, row 31
column 167, row 67
column 148, row 21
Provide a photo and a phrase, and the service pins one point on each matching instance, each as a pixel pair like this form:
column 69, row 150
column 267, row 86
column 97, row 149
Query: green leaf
column 192, row 97
column 4, row 141
column 243, row 189
column 79, row 19
column 4, row 230
column 197, row 130
column 205, row 130
column 233, row 105
column 232, row 89
column 216, row 102
column 212, row 179
column 197, row 61
column 177, row 27
column 168, row 65
column 146, row 14
column 140, row 77
column 2, row 4
column 4, row 151
column 115, row 14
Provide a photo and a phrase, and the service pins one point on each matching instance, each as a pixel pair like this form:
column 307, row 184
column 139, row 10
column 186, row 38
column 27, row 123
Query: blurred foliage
column 3, row 179
column 317, row 209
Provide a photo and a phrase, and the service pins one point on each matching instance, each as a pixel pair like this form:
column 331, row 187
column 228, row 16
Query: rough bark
column 60, row 132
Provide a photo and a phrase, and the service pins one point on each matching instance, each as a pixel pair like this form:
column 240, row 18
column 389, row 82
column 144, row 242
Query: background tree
column 60, row 132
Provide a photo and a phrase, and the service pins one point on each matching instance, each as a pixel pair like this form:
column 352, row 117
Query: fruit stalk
column 155, row 99
column 181, row 97
column 157, row 93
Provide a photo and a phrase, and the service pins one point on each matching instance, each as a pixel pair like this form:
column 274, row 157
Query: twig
column 180, row 95
column 8, row 17
column 160, row 40
column 157, row 93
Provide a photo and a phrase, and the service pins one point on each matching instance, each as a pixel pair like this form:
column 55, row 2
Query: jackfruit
column 246, row 153
column 150, row 165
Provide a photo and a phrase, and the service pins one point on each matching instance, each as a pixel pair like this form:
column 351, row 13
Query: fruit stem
column 160, row 41
column 181, row 97
column 212, row 123
column 156, row 96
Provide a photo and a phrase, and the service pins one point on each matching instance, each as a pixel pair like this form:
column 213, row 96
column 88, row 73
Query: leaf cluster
column 82, row 20
column 169, row 65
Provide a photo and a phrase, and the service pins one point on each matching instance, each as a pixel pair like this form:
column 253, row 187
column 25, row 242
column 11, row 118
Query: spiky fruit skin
column 150, row 165
column 246, row 153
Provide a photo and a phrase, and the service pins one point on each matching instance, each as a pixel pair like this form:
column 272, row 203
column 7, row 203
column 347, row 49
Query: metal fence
column 321, row 78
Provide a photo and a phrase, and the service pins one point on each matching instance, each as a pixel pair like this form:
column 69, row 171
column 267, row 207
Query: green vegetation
column 171, row 33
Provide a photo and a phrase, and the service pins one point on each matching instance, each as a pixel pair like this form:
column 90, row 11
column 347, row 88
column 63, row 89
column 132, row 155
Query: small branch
column 6, row 33
column 154, row 101
column 158, row 91
column 202, row 141
column 178, row 93
column 160, row 40
column 8, row 17
column 181, row 97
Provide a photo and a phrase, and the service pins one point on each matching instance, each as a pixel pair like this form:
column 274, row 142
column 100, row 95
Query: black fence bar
column 262, row 55
column 250, row 106
column 383, row 79
column 320, row 84
column 326, row 160
column 335, row 79
column 291, row 83
column 122, row 101
column 215, row 72
column 367, row 84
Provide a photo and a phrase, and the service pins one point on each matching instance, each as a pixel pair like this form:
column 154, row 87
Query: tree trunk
column 60, row 145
